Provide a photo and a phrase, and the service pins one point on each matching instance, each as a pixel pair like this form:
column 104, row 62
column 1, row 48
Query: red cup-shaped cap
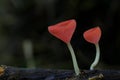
column 63, row 30
column 93, row 35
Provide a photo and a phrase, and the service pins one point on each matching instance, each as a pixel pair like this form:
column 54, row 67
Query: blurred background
column 26, row 42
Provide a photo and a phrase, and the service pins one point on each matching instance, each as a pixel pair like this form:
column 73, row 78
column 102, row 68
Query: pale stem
column 28, row 53
column 97, row 58
column 76, row 68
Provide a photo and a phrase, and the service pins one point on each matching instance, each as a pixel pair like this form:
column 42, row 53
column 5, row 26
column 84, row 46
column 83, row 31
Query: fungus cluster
column 65, row 30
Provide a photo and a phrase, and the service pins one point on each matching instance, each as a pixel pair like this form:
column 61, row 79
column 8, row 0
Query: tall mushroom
column 64, row 31
column 93, row 36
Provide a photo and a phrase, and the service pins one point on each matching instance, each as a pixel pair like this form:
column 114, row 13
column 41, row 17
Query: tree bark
column 14, row 73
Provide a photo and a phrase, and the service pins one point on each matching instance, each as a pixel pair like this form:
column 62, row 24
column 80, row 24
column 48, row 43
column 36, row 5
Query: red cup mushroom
column 64, row 31
column 93, row 36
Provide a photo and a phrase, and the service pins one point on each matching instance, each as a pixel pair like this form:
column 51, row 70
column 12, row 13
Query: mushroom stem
column 76, row 68
column 97, row 58
column 28, row 53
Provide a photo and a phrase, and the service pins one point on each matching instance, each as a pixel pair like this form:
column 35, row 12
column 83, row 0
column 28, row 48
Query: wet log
column 14, row 73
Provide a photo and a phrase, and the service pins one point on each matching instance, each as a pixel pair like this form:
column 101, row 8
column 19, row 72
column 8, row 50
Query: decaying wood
column 13, row 73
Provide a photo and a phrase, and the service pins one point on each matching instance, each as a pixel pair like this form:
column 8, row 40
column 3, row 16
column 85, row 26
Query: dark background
column 22, row 20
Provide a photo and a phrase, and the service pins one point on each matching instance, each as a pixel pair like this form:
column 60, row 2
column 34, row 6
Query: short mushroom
column 93, row 36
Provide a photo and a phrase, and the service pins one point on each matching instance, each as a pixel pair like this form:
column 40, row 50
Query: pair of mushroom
column 64, row 31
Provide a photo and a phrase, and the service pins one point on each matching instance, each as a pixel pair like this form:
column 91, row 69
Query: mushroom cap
column 93, row 35
column 63, row 30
